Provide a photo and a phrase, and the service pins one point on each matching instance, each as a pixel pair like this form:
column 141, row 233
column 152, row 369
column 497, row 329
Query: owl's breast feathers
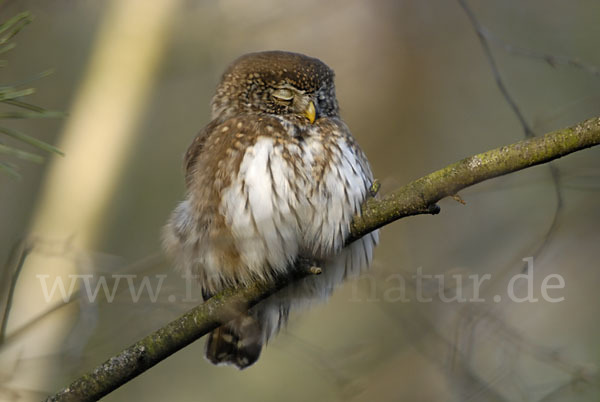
column 261, row 193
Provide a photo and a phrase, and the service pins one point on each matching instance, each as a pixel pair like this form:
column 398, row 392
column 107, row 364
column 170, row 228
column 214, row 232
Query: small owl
column 274, row 179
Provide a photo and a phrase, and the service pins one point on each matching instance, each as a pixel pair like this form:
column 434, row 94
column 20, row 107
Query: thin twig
column 418, row 197
column 490, row 56
column 551, row 59
column 483, row 35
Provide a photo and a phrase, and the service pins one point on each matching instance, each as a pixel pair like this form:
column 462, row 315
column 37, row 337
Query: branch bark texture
column 418, row 197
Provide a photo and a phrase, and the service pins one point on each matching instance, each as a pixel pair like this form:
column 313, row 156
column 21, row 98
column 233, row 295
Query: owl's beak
column 310, row 112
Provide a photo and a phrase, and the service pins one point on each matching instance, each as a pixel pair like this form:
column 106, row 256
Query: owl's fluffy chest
column 293, row 198
column 257, row 202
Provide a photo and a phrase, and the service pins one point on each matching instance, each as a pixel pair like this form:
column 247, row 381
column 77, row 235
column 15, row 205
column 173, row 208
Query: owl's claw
column 374, row 189
column 206, row 294
column 308, row 266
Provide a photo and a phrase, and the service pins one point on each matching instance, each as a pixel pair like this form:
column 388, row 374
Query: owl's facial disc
column 277, row 83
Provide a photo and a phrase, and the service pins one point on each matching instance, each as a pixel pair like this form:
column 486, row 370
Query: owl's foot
column 307, row 266
column 374, row 189
column 206, row 294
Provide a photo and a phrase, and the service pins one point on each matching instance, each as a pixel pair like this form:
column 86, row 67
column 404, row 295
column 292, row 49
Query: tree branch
column 418, row 197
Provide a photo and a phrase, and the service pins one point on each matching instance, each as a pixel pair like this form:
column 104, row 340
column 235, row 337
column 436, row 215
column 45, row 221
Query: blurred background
column 418, row 93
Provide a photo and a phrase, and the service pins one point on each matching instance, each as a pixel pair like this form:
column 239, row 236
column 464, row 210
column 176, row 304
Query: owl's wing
column 195, row 149
column 226, row 140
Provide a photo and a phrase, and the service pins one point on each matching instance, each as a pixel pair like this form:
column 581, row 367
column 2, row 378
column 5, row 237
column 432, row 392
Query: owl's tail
column 238, row 342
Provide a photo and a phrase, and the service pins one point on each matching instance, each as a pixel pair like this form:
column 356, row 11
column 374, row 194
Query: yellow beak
column 310, row 112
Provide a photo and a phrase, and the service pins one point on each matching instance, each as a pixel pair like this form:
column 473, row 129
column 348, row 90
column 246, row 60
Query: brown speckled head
column 278, row 83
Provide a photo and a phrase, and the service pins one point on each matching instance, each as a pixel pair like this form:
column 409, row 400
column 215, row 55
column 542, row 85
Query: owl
column 274, row 179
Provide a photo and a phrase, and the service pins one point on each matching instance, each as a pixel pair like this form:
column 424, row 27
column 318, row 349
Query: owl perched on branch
column 275, row 178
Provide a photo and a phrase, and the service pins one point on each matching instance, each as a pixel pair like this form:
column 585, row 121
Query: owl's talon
column 374, row 189
column 206, row 294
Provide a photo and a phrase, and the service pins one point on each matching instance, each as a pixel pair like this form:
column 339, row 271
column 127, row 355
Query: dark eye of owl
column 283, row 94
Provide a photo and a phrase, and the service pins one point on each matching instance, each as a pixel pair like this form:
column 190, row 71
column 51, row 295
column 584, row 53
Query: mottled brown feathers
column 274, row 178
column 303, row 72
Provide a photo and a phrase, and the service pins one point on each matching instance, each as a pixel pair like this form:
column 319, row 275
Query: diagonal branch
column 418, row 197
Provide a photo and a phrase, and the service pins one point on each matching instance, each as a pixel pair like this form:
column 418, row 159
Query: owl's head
column 292, row 85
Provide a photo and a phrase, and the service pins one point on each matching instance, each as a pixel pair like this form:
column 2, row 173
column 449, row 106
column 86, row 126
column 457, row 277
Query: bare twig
column 484, row 37
column 418, row 197
column 492, row 61
column 551, row 59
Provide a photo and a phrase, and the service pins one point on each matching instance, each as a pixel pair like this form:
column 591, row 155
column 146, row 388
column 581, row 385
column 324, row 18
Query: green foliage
column 13, row 95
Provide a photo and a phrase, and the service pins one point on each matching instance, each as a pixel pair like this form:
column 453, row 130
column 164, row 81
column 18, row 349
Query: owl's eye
column 283, row 94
